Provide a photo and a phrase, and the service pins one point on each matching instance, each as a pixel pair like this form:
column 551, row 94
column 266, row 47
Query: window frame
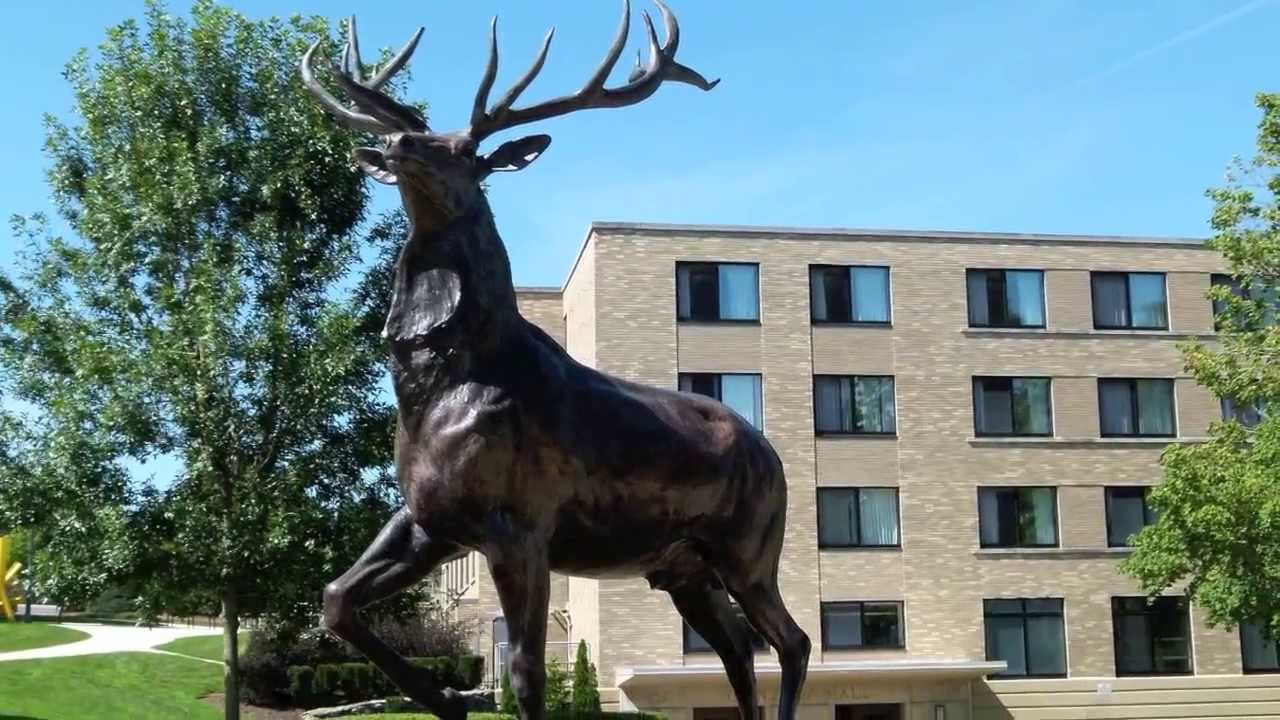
column 979, row 432
column 758, row 643
column 857, row 544
column 1115, row 637
column 1044, row 310
column 717, row 264
column 719, row 390
column 1244, row 665
column 888, row 300
column 1136, row 411
column 1128, row 298
column 1106, row 508
column 1026, row 643
column 824, row 625
column 1057, row 531
column 855, row 433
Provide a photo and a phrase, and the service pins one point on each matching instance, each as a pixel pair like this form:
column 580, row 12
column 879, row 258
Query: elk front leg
column 523, row 582
column 401, row 555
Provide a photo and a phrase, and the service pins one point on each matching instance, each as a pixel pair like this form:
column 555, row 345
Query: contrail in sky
column 1174, row 41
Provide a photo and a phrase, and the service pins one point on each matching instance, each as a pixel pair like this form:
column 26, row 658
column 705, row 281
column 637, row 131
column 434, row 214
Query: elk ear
column 515, row 155
column 372, row 163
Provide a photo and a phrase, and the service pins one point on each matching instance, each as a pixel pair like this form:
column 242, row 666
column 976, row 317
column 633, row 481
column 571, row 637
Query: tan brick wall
column 580, row 308
column 939, row 573
column 544, row 308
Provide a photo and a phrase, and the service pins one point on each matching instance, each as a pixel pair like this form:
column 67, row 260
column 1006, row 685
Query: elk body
column 507, row 446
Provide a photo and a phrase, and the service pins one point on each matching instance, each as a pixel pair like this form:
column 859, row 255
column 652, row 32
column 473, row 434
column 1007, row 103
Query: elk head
column 440, row 174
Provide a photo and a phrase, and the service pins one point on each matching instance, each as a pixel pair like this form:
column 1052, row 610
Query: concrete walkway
column 114, row 639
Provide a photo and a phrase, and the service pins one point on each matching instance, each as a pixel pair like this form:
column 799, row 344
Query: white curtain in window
column 738, row 289
column 870, row 294
column 1033, row 394
column 844, row 626
column 836, row 517
column 1005, row 642
column 1023, row 294
column 878, row 516
column 818, row 293
column 1155, row 407
column 1110, row 306
column 1146, row 299
column 684, row 304
column 1047, row 655
column 831, row 393
column 1133, row 645
column 742, row 394
column 1117, row 408
column 989, row 517
column 979, row 306
column 1043, row 531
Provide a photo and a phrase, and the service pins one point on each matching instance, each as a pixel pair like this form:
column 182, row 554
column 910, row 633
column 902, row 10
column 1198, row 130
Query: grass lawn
column 202, row 646
column 25, row 636
column 124, row 686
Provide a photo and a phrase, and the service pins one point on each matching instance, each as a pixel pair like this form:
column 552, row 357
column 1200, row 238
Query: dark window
column 843, row 294
column 862, row 404
column 1012, row 406
column 1151, row 639
column 1136, row 407
column 1258, row 652
column 1017, row 517
column 739, row 391
column 1006, row 298
column 1028, row 634
column 869, row 711
column 694, row 643
column 861, row 625
column 1247, row 414
column 858, row 517
column 712, row 292
column 1129, row 300
column 1128, row 511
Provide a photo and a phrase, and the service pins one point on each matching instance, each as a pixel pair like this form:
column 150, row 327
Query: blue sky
column 1014, row 115
column 1077, row 116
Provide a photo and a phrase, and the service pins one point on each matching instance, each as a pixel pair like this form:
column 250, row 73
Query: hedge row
column 353, row 681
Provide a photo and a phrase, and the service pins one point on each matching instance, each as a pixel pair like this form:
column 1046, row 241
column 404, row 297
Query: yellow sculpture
column 8, row 574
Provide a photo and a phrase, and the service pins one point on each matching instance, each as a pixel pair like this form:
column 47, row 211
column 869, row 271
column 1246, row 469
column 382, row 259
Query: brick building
column 968, row 422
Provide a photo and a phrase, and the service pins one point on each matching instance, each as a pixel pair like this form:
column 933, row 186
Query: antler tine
column 597, row 80
column 350, row 118
column 351, row 63
column 509, row 99
column 478, row 114
column 643, row 81
column 397, row 62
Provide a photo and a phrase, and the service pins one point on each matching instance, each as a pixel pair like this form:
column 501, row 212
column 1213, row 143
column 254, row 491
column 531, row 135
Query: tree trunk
column 231, row 654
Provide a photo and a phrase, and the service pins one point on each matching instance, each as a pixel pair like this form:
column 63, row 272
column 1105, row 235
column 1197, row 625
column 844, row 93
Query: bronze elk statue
column 507, row 446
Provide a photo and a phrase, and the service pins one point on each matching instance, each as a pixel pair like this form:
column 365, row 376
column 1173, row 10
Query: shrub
column 355, row 681
column 328, row 680
column 264, row 676
column 302, row 681
column 586, row 687
column 507, row 699
column 557, row 696
column 470, row 672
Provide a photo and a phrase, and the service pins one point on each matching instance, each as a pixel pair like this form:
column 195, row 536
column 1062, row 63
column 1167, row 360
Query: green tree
column 558, row 698
column 215, row 219
column 1219, row 506
column 507, row 697
column 586, row 687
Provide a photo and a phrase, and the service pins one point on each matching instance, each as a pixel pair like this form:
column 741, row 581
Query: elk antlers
column 642, row 83
column 374, row 112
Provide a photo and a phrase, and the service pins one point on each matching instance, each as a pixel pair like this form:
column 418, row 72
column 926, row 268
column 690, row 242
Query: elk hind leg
column 708, row 612
column 762, row 603
column 523, row 581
